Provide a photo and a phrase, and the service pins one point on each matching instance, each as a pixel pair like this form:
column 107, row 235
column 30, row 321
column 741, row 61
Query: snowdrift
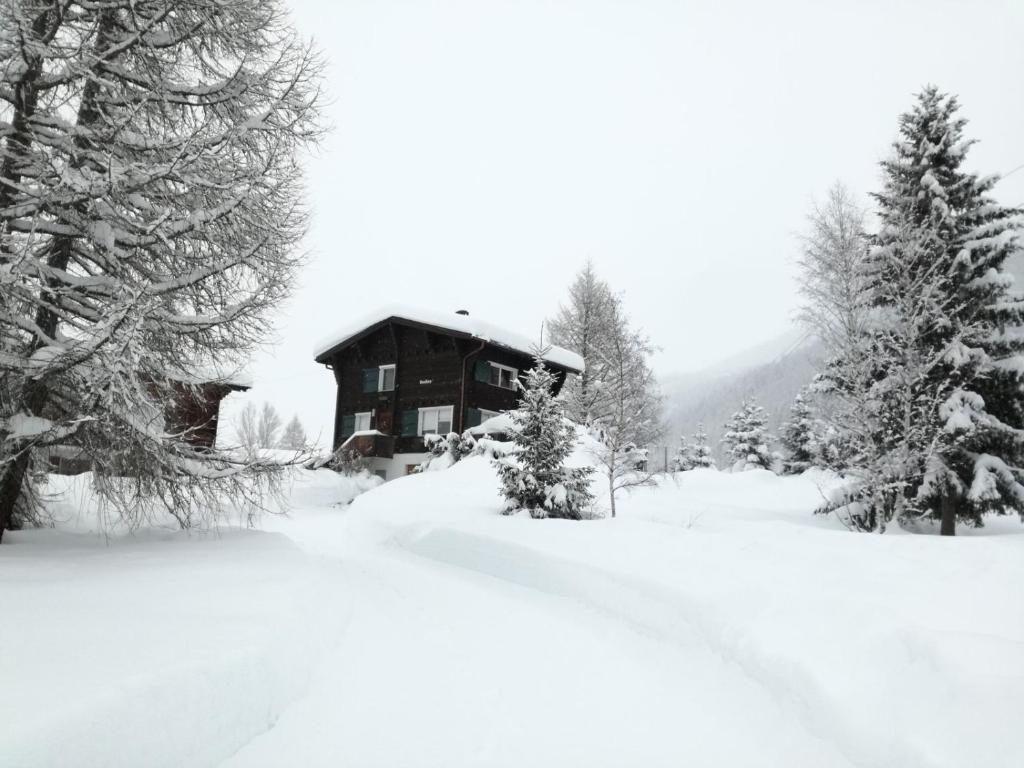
column 717, row 622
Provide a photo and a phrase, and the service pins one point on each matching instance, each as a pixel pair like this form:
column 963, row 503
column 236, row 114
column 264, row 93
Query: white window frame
column 368, row 415
column 513, row 375
column 436, row 411
column 485, row 414
column 380, row 377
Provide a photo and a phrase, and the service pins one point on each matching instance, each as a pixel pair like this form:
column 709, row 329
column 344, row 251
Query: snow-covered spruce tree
column 584, row 324
column 701, row 451
column 683, row 461
column 746, row 438
column 948, row 442
column 294, row 436
column 798, row 437
column 534, row 476
column 627, row 414
column 150, row 209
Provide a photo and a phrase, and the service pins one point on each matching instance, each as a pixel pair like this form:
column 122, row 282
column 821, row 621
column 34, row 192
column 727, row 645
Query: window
column 379, row 379
column 477, row 416
column 435, row 420
column 362, row 422
column 386, row 378
column 495, row 374
column 503, row 376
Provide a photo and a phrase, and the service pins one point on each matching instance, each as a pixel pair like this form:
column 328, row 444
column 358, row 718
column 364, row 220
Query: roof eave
column 325, row 356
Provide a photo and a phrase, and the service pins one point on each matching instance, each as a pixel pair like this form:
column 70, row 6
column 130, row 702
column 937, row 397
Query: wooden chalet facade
column 407, row 374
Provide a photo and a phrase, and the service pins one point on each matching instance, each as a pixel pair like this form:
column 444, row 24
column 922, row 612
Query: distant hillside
column 773, row 372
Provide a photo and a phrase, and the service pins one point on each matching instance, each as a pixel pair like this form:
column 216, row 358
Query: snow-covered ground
column 715, row 623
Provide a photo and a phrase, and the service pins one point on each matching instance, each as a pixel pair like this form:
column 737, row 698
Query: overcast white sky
column 483, row 150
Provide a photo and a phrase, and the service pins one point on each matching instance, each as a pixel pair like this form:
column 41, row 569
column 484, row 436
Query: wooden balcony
column 371, row 443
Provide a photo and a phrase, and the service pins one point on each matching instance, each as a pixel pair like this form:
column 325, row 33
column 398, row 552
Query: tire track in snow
column 667, row 614
column 447, row 666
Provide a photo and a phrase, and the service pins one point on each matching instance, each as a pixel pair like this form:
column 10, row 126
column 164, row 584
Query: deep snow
column 715, row 623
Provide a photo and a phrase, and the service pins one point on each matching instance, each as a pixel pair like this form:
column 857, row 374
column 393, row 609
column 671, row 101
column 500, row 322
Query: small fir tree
column 798, row 437
column 701, row 451
column 534, row 476
column 683, row 461
column 746, row 439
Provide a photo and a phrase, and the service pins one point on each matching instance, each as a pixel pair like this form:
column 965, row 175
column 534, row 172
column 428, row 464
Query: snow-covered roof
column 363, row 433
column 467, row 325
column 211, row 374
column 496, row 425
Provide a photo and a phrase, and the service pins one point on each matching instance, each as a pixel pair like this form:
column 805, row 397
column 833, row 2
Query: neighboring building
column 193, row 412
column 404, row 373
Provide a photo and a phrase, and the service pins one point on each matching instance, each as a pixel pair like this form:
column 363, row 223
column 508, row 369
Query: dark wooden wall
column 195, row 411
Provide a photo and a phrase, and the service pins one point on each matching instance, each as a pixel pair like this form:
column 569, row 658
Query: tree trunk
column 611, row 486
column 948, row 525
column 35, row 392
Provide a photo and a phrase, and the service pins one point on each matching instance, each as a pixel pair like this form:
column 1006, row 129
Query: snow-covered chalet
column 404, row 373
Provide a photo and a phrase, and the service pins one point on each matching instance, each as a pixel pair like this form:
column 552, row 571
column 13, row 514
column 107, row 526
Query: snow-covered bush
column 346, row 461
column 446, row 450
column 534, row 476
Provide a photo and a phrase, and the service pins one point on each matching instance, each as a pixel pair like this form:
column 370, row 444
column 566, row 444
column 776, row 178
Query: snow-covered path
column 441, row 665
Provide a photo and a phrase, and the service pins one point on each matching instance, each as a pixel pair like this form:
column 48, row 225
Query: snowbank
column 158, row 650
column 900, row 650
column 162, row 647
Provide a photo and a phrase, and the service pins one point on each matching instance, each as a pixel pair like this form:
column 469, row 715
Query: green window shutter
column 348, row 424
column 482, row 371
column 369, row 379
column 410, row 422
column 473, row 417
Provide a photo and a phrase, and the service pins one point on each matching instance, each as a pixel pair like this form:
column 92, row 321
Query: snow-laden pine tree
column 683, row 461
column 798, row 437
column 701, row 451
column 585, row 324
column 534, row 476
column 947, row 330
column 150, row 209
column 746, row 438
column 294, row 436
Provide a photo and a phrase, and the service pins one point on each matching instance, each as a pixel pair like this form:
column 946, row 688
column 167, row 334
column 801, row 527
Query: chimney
column 464, row 312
